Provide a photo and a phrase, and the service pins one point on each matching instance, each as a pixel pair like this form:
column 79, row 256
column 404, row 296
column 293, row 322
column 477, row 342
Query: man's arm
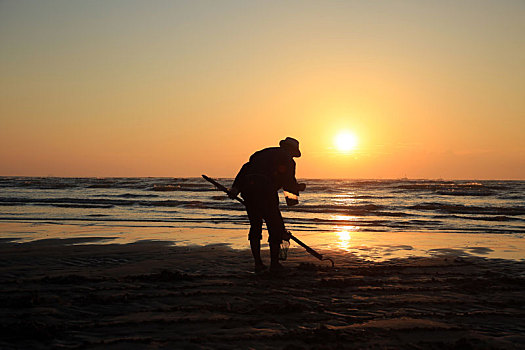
column 290, row 182
column 238, row 182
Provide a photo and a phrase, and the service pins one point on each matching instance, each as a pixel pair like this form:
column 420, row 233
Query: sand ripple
column 153, row 295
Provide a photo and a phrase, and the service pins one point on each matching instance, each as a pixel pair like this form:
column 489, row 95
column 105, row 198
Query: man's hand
column 233, row 192
column 301, row 187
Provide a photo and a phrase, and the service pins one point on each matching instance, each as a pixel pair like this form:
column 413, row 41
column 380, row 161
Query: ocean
column 364, row 205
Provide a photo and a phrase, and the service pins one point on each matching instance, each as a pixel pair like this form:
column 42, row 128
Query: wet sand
column 63, row 293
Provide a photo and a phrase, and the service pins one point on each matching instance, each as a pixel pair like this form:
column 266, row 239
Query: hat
column 292, row 144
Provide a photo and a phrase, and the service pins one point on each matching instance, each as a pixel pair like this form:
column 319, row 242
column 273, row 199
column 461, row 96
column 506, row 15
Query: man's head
column 291, row 145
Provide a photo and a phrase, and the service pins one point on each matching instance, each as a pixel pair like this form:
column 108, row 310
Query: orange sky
column 432, row 89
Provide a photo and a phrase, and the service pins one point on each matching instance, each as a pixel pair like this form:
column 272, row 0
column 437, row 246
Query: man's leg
column 276, row 230
column 275, row 265
column 255, row 235
column 255, row 245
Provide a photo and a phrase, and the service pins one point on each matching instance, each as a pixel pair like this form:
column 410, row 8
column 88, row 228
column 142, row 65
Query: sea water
column 359, row 208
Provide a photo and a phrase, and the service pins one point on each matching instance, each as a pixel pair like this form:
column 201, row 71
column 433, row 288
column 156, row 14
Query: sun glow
column 345, row 141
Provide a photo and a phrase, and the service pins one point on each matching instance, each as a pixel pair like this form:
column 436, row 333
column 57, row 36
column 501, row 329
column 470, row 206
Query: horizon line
column 228, row 177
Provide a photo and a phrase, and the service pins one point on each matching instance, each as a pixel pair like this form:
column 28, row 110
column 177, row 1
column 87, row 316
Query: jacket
column 272, row 166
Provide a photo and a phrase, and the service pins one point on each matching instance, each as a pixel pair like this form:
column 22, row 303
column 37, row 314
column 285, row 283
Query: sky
column 429, row 89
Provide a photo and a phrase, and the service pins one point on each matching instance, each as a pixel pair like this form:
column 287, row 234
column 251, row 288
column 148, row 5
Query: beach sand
column 77, row 293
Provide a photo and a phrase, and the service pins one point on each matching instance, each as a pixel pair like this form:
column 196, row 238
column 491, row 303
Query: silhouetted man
column 258, row 182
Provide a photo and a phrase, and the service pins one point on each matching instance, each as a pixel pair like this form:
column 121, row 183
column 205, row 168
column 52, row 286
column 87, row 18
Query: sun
column 345, row 141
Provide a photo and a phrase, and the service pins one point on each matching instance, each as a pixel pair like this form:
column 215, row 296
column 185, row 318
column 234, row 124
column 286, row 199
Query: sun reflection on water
column 344, row 238
column 344, row 219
